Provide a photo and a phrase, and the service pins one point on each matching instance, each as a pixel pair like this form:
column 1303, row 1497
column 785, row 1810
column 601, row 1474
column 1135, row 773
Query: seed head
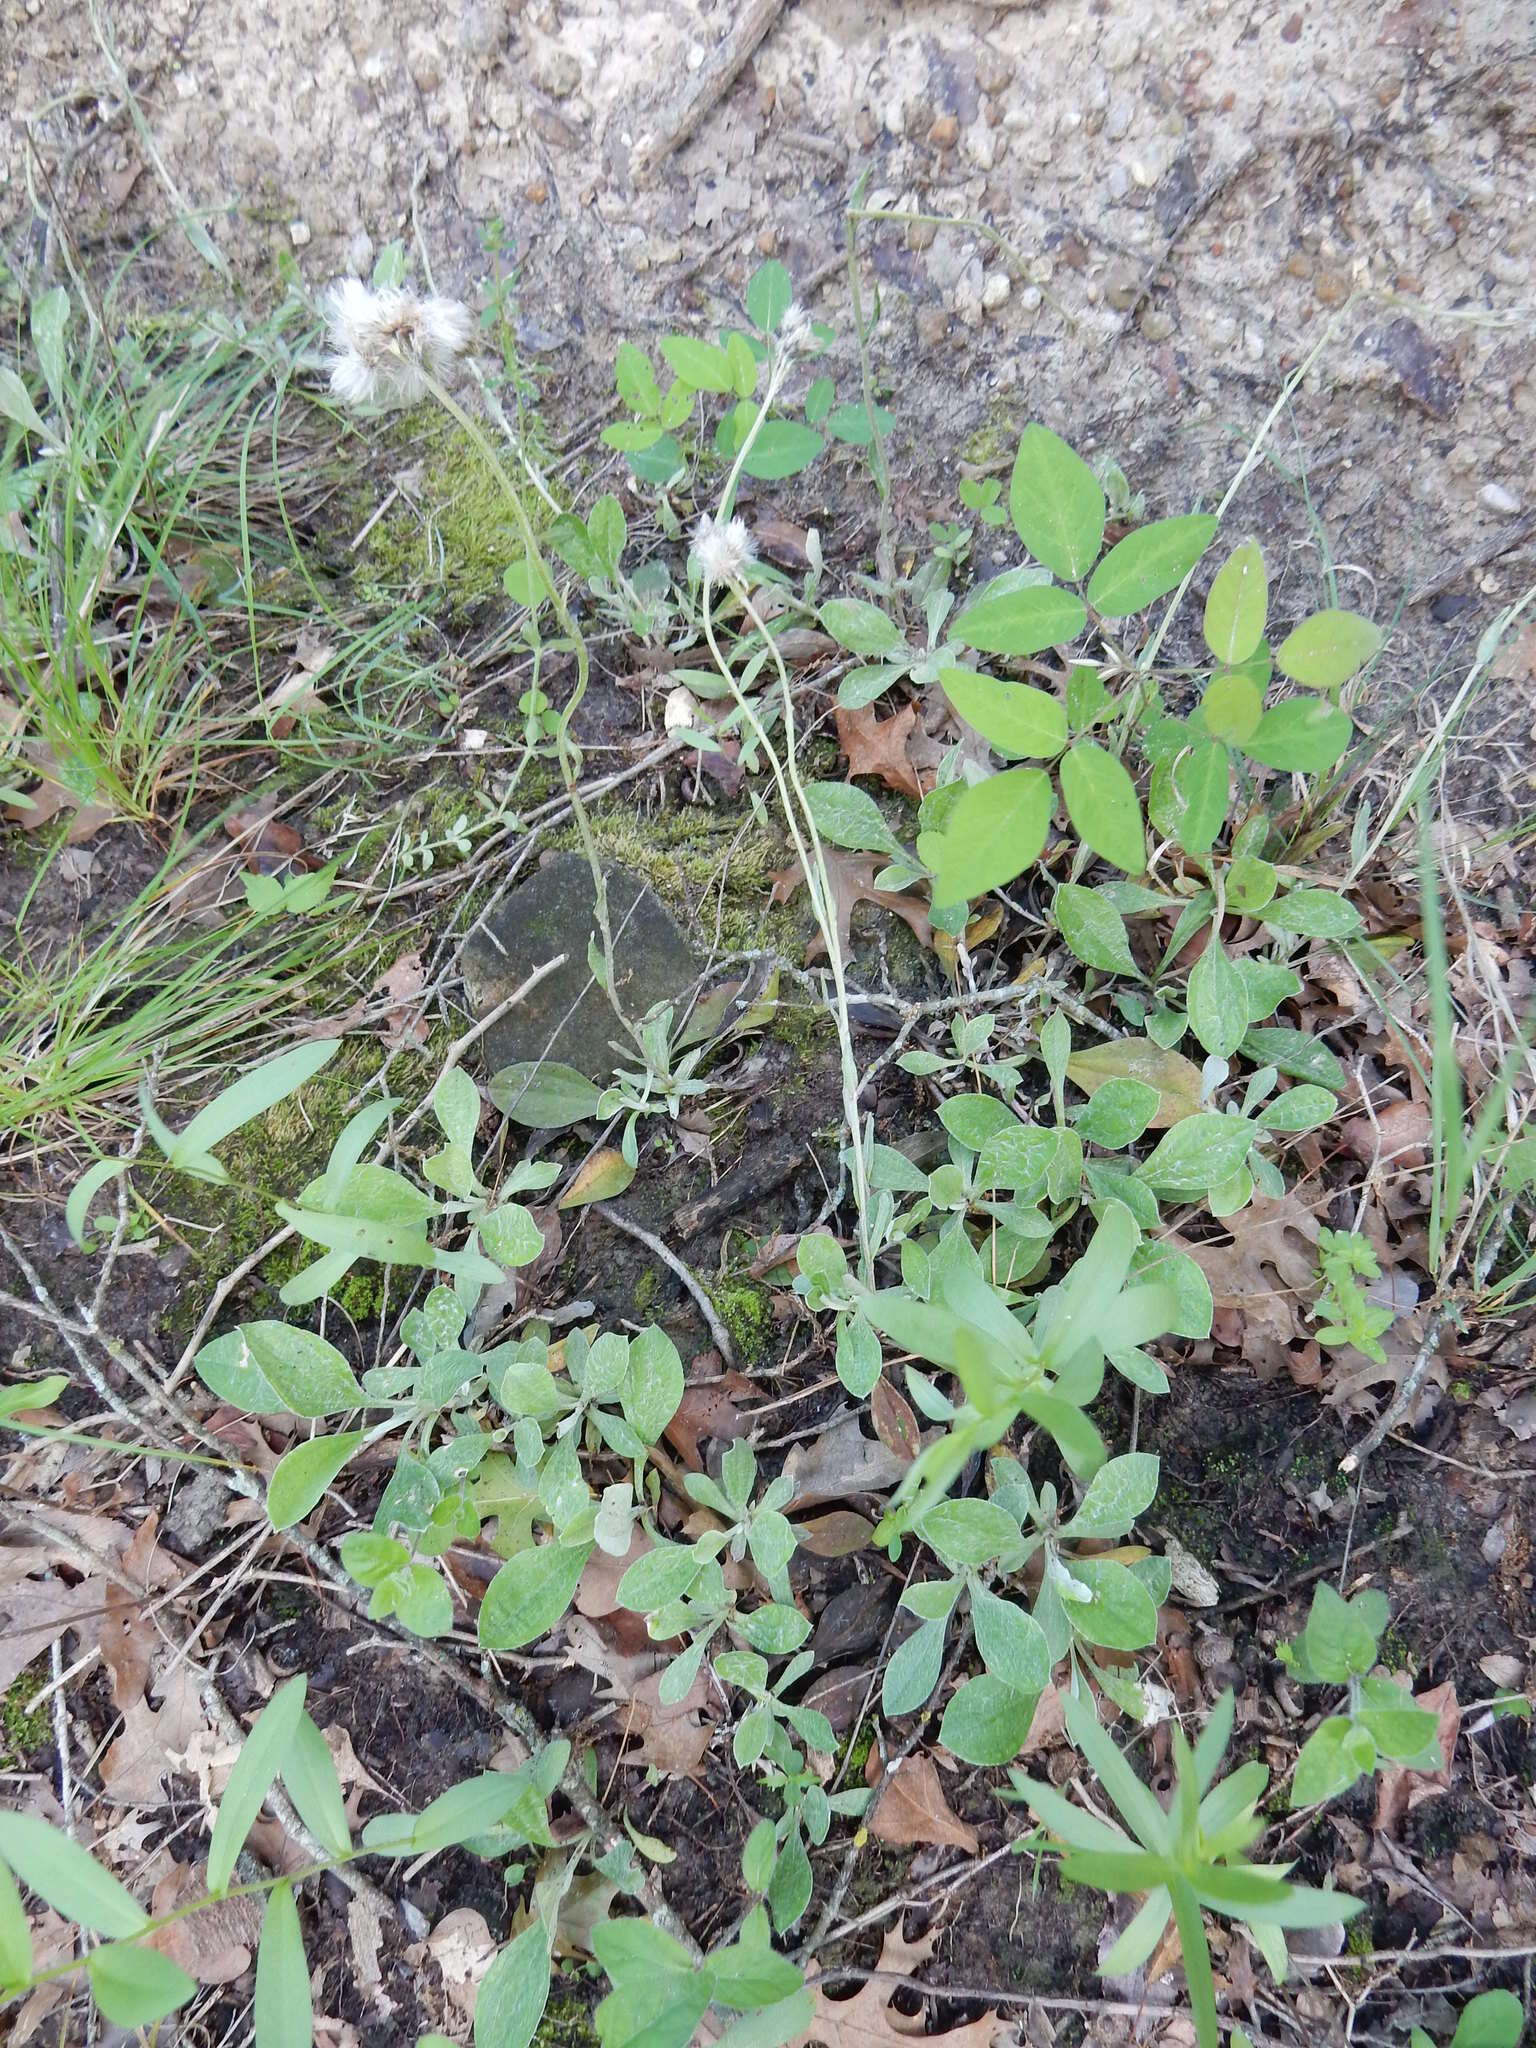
column 387, row 344
column 723, row 548
column 794, row 336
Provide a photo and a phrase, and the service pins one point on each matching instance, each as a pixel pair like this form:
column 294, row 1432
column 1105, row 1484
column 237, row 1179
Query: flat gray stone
column 555, row 912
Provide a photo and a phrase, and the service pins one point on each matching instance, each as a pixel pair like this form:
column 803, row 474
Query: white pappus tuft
column 794, row 335
column 387, row 344
column 723, row 548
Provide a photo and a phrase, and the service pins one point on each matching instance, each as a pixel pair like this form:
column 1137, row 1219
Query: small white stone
column 1117, row 181
column 1498, row 499
column 474, row 740
column 995, row 289
column 682, row 712
column 298, row 233
column 185, row 82
column 1117, row 122
column 968, row 290
column 1030, row 297
column 1253, row 344
column 695, row 56
column 981, row 145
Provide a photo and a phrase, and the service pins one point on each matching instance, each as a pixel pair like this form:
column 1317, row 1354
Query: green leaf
column 1197, row 1154
column 1296, row 1055
column 1251, row 883
column 1330, row 1763
column 15, row 404
column 1094, row 929
column 1149, row 563
column 135, row 1986
column 1012, row 1643
column 1176, row 1079
column 1299, row 1109
column 968, row 1532
column 1056, row 503
column 696, row 362
column 1236, row 608
column 72, row 1882
column 529, row 1595
column 283, row 2014
column 1218, row 1000
column 310, row 1780
column 659, row 1576
column 913, row 1670
column 1122, row 1614
column 422, row 1603
column 1102, row 804
column 987, row 1721
column 15, row 1936
column 1326, row 650
column 260, row 1759
column 743, row 365
column 636, row 380
column 1494, row 2019
column 770, row 293
column 1188, row 797
column 456, row 1105
column 1302, row 736
column 514, row 1992
column 543, row 1095
column 863, row 628
column 1020, row 721
column 77, row 1209
column 1119, row 1491
column 858, row 1356
column 510, row 1235
column 267, row 1366
column 467, row 1810
column 1017, row 614
column 1314, row 914
column 973, row 1119
column 301, row 1475
column 994, row 831
column 653, row 1386
column 850, row 817
column 1117, row 1113
column 1231, row 708
column 782, row 448
column 257, row 1091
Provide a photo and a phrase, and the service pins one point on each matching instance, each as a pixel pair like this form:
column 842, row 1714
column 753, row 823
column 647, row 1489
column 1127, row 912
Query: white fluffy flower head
column 387, row 344
column 723, row 548
column 794, row 335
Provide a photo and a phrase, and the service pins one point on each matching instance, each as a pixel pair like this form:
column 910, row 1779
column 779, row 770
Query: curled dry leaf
column 463, row 1948
column 153, row 1740
column 885, row 747
column 869, row 2020
column 895, row 1424
column 1263, row 1280
column 914, row 1809
column 852, row 876
column 1398, row 1789
column 839, row 1462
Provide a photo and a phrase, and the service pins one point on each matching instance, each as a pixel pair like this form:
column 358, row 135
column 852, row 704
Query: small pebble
column 1155, row 324
column 298, row 233
column 995, row 290
column 945, row 132
column 1029, row 298
column 1499, row 500
column 1117, row 122
column 981, row 145
column 1117, row 181
column 932, row 326
column 1508, row 269
column 1253, row 344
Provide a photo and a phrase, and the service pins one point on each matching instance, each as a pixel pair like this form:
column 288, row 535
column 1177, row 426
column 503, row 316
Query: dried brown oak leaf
column 913, row 1807
column 1263, row 1280
column 852, row 876
column 883, row 747
column 869, row 2020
